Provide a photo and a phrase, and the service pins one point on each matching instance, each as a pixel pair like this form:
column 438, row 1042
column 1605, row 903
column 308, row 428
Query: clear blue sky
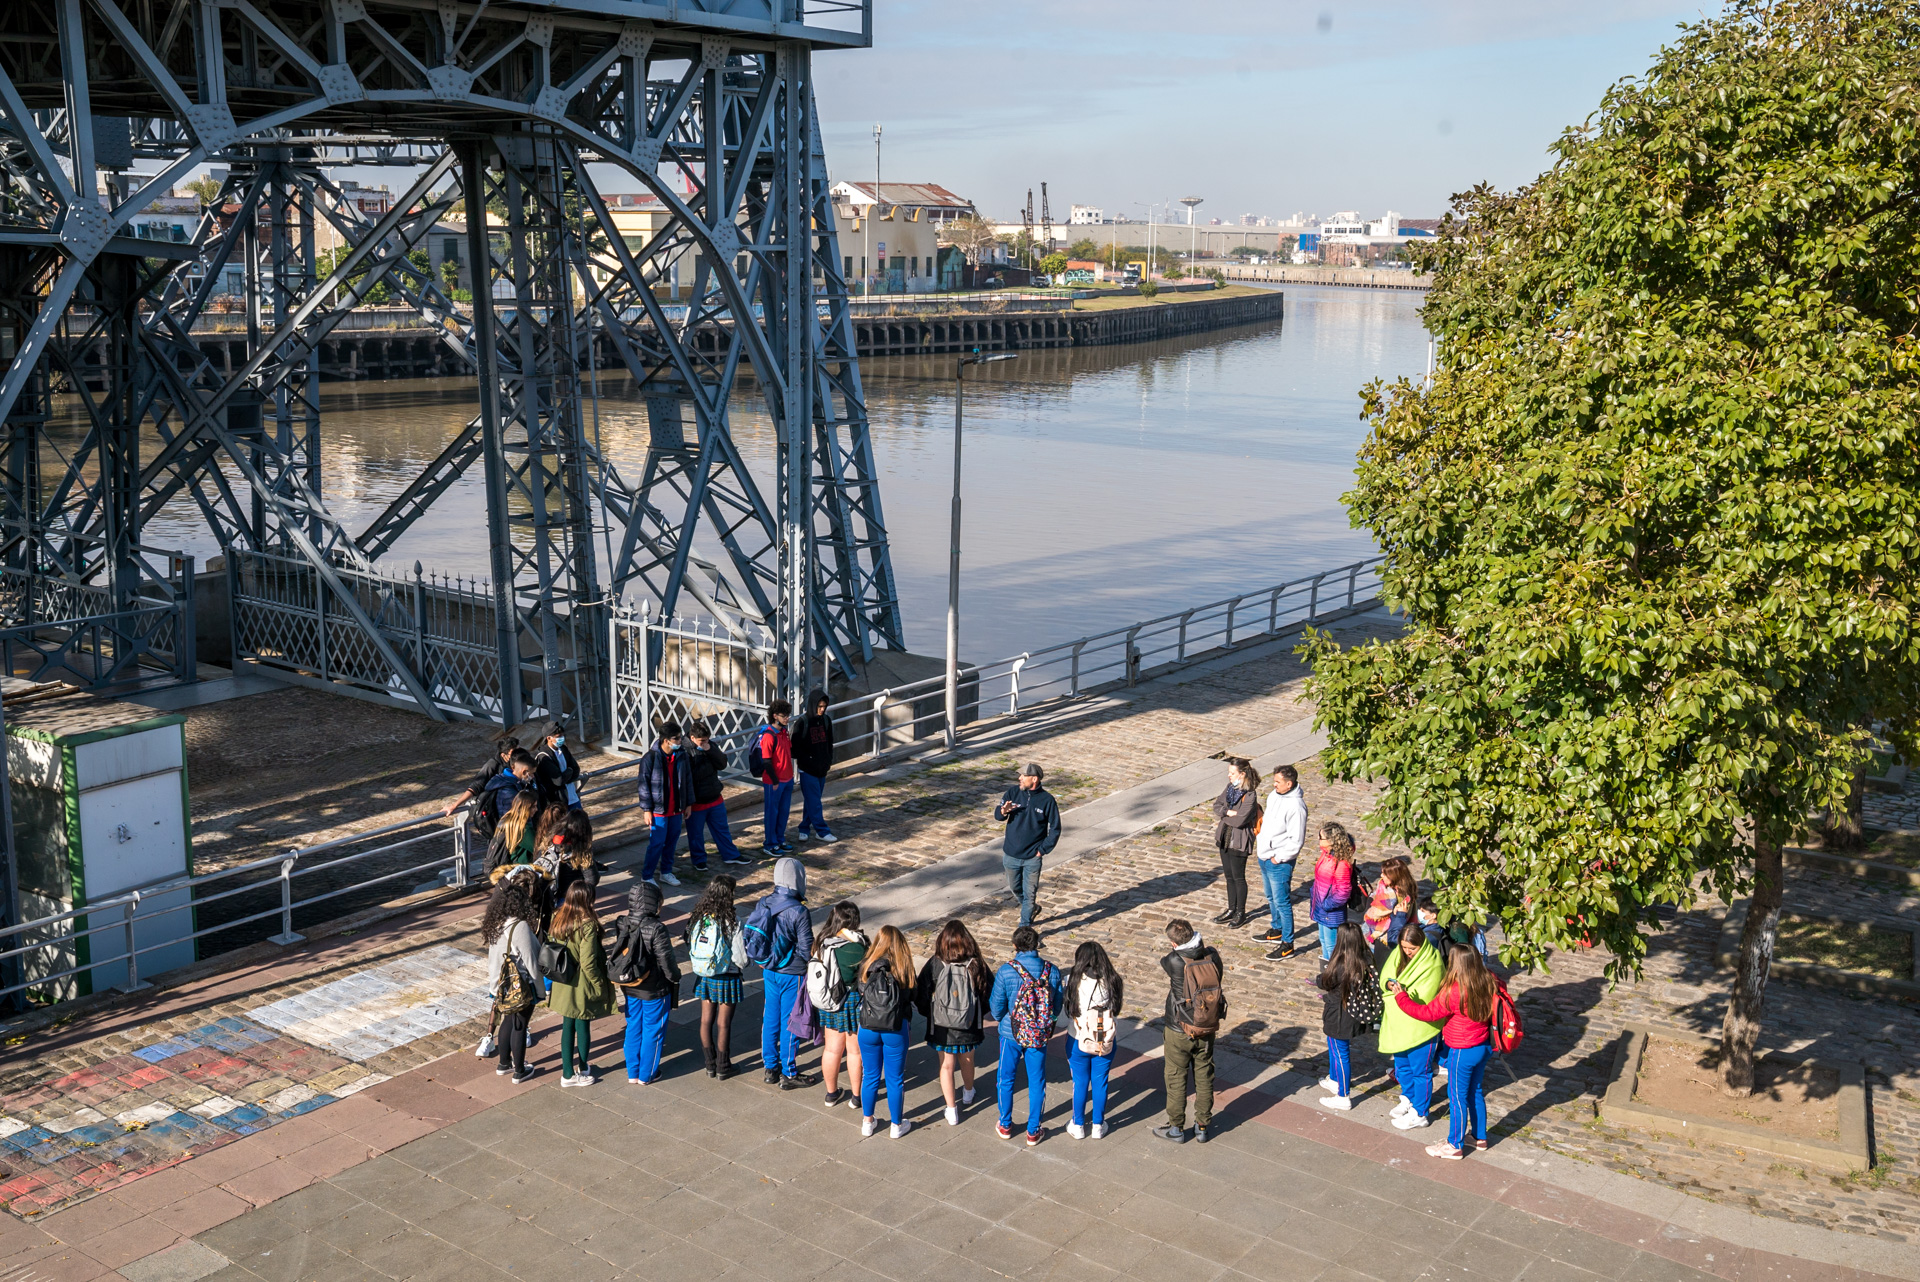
column 1261, row 106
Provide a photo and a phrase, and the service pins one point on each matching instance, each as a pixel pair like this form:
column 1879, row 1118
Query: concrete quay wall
column 402, row 347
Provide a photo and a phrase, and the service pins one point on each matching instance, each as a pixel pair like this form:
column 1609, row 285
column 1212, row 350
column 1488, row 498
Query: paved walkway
column 273, row 1098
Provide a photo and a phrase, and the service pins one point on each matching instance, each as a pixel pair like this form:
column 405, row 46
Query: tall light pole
column 877, row 273
column 1193, row 253
column 953, row 551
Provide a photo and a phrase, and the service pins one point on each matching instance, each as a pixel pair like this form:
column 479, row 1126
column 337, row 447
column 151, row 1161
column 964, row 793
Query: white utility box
column 99, row 810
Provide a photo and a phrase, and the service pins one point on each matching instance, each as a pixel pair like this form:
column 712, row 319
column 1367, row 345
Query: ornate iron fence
column 288, row 619
column 685, row 670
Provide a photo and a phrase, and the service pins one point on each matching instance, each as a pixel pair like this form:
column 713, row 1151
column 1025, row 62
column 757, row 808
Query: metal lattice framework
column 508, row 107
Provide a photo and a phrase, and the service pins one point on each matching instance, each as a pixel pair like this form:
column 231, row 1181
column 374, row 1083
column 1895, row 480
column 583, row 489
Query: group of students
column 680, row 789
column 1426, row 987
column 853, row 993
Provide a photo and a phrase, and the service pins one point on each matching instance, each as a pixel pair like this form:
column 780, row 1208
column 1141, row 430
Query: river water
column 1101, row 485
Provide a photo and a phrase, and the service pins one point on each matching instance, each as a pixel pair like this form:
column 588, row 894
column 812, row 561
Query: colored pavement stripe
column 378, row 1010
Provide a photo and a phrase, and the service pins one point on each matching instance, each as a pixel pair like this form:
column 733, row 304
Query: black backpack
column 880, row 999
column 628, row 964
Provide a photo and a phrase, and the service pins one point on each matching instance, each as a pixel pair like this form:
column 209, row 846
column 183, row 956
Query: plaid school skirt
column 721, row 990
column 847, row 1018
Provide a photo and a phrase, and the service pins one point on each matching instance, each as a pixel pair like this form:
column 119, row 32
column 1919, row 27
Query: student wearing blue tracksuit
column 666, row 797
column 1024, row 1046
column 779, row 936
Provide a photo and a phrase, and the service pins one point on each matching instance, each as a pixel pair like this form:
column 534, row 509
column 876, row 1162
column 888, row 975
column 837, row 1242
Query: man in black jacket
column 654, row 976
column 812, row 736
column 1190, row 1026
column 709, row 800
column 1032, row 818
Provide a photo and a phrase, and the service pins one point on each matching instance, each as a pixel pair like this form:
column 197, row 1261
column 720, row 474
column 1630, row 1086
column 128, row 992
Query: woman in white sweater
column 1093, row 991
column 513, row 965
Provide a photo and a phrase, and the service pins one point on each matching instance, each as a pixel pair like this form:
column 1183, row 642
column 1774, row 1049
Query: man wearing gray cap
column 1032, row 818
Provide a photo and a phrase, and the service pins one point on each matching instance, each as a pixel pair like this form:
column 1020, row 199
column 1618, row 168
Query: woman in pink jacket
column 1465, row 1002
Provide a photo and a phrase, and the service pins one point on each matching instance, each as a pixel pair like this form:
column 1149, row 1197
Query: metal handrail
column 1119, row 655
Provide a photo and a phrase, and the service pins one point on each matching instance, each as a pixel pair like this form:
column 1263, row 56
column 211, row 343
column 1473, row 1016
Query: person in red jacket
column 1465, row 1002
column 774, row 751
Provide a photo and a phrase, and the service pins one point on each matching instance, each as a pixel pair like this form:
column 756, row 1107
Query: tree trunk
column 1845, row 829
column 1742, row 1028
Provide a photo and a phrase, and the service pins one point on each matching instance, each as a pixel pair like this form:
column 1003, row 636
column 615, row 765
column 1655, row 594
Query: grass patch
column 1134, row 300
column 1854, row 946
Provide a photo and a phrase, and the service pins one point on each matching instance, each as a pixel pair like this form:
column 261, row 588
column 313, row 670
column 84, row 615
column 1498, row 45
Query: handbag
column 557, row 963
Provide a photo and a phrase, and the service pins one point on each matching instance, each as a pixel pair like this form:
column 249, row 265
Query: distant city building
column 172, row 218
column 1086, row 216
column 1348, row 240
column 917, row 202
column 892, row 245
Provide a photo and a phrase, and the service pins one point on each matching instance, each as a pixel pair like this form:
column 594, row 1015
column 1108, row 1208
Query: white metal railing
column 910, row 713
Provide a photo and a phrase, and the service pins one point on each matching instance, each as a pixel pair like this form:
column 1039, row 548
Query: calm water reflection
column 1102, row 485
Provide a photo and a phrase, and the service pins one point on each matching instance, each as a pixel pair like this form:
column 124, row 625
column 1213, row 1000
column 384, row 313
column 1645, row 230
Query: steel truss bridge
column 504, row 105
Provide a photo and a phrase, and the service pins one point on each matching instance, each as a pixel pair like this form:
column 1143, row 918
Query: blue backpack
column 759, row 930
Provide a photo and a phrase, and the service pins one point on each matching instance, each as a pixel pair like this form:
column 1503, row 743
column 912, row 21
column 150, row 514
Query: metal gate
column 685, row 670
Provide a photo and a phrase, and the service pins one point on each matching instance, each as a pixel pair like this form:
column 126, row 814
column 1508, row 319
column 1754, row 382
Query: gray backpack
column 956, row 1003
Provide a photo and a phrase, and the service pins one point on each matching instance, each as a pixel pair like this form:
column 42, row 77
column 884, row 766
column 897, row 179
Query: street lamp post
column 953, row 551
column 875, row 213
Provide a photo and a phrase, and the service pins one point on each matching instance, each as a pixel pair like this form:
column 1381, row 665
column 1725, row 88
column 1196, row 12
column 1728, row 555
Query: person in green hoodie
column 1416, row 968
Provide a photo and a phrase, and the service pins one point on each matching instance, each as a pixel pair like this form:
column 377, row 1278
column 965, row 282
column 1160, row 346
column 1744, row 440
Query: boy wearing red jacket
column 773, row 750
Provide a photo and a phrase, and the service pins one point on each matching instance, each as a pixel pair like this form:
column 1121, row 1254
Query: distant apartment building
column 1086, row 216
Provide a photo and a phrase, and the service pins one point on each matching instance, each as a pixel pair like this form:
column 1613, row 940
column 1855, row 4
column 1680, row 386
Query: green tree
column 1083, row 250
column 1655, row 522
column 1148, row 289
column 449, row 273
column 1053, row 264
column 204, row 187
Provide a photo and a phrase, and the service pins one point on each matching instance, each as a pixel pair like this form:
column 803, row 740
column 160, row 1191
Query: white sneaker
column 1330, row 1086
column 966, row 1097
column 899, row 1129
column 953, row 1116
column 648, row 881
column 1076, row 1130
column 670, row 879
column 801, row 836
column 1409, row 1122
column 828, row 837
column 1401, row 1108
column 866, row 1127
column 1340, row 1102
column 487, row 1047
column 1099, row 1130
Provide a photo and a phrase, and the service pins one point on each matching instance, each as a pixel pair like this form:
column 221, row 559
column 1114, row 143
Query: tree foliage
column 1655, row 521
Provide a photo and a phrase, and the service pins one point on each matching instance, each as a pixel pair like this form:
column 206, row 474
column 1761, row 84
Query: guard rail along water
column 98, row 946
